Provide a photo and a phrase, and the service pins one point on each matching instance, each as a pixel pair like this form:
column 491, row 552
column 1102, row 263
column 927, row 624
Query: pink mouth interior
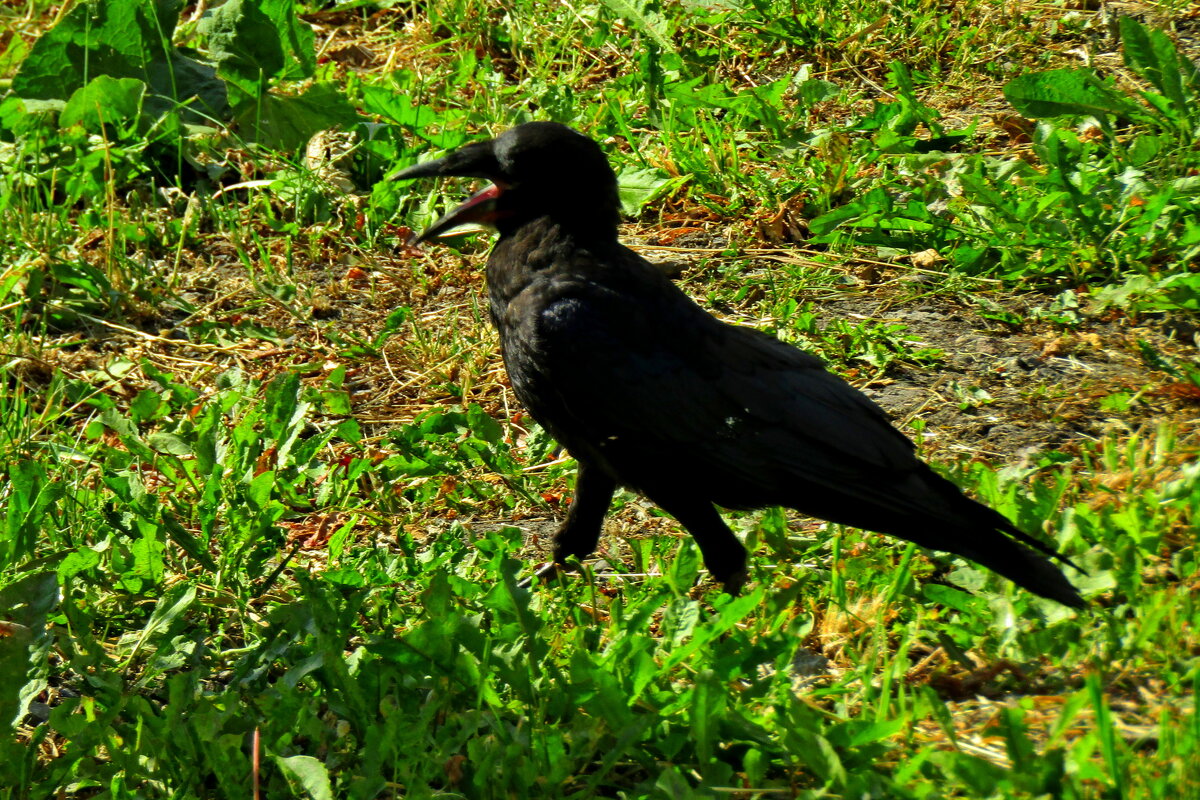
column 490, row 193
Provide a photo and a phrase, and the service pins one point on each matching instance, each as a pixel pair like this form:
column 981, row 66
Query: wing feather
column 658, row 378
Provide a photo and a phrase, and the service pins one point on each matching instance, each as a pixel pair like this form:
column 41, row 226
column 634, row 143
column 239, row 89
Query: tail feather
column 933, row 512
column 1025, row 567
column 987, row 537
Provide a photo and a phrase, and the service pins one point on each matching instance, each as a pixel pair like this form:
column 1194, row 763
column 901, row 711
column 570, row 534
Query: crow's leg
column 580, row 532
column 723, row 553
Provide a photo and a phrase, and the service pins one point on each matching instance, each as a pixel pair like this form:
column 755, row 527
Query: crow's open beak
column 481, row 209
column 476, row 160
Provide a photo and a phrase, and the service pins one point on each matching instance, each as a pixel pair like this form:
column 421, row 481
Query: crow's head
column 539, row 169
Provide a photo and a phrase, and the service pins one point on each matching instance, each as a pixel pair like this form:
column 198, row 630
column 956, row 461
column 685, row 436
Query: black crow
column 649, row 391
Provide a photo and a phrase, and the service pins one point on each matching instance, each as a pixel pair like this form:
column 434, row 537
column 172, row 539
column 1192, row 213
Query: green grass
column 266, row 501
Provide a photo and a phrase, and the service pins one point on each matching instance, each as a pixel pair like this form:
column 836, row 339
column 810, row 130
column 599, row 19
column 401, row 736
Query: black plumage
column 649, row 391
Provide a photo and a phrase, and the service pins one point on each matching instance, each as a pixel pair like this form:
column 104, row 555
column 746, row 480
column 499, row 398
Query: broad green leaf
column 168, row 443
column 873, row 203
column 815, row 90
column 818, row 755
column 336, row 402
column 16, row 52
column 1060, row 92
column 286, row 123
column 22, row 116
column 118, row 38
column 639, row 187
column 125, row 39
column 283, row 407
column 859, row 734
column 149, row 565
column 1184, row 289
column 1152, row 55
column 260, row 489
column 421, row 120
column 16, row 642
column 193, row 83
column 25, row 642
column 337, row 542
column 104, row 102
column 145, row 405
column 113, row 420
column 951, row 597
column 255, row 42
column 349, row 430
column 484, row 426
column 1144, row 148
column 79, row 561
column 647, row 17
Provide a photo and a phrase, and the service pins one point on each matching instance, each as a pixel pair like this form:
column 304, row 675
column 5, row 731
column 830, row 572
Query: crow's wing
column 660, row 378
